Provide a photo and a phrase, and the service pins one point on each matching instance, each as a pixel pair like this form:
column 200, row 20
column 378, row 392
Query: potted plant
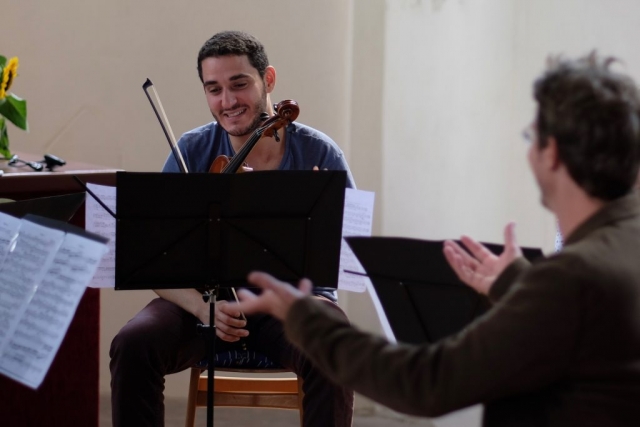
column 12, row 108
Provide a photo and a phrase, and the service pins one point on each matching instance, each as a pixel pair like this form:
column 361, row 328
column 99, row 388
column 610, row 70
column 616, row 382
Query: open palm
column 479, row 267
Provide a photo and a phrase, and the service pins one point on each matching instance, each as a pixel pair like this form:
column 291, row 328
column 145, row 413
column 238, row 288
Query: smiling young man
column 162, row 338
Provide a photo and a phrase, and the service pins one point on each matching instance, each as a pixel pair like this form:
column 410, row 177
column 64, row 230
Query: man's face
column 235, row 93
column 535, row 155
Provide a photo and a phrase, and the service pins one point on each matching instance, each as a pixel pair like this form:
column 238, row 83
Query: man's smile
column 234, row 113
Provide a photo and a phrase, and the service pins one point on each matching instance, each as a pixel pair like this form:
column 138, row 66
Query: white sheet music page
column 9, row 227
column 22, row 271
column 31, row 348
column 100, row 222
column 357, row 221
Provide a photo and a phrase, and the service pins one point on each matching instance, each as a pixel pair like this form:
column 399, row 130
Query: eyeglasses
column 529, row 134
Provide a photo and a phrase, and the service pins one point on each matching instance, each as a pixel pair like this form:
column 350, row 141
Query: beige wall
column 427, row 98
column 457, row 94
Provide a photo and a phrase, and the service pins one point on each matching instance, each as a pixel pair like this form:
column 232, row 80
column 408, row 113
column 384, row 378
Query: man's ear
column 269, row 78
column 551, row 154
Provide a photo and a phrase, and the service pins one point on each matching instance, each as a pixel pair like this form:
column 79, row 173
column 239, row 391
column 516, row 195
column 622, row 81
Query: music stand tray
column 423, row 299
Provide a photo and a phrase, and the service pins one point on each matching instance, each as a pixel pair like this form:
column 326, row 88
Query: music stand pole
column 210, row 296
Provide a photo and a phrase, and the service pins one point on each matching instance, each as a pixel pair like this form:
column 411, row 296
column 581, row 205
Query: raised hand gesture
column 479, row 267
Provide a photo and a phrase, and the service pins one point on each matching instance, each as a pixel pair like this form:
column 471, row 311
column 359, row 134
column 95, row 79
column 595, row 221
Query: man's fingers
column 250, row 303
column 223, row 319
column 456, row 262
column 265, row 281
column 270, row 283
column 465, row 259
column 464, row 255
column 228, row 309
column 477, row 249
column 226, row 337
column 245, row 295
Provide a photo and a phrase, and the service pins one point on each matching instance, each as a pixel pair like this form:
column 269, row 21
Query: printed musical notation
column 100, row 222
column 357, row 221
column 8, row 234
column 42, row 279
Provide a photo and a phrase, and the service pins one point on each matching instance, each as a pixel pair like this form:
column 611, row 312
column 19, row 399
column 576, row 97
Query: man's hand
column 228, row 325
column 276, row 298
column 480, row 269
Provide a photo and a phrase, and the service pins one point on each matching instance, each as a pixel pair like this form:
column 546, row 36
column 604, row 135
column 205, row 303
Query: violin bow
column 166, row 129
column 172, row 143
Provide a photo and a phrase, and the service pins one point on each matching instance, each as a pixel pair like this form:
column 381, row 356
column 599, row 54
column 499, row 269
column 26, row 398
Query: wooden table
column 69, row 394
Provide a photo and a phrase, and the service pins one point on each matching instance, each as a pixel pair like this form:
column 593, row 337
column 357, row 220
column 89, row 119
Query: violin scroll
column 285, row 112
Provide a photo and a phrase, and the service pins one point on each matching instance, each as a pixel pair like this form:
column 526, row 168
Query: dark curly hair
column 594, row 115
column 234, row 43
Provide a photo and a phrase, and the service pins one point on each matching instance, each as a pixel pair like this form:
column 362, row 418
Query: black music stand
column 422, row 297
column 208, row 231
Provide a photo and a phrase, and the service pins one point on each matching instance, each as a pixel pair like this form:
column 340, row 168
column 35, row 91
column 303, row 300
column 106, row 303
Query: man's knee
column 132, row 341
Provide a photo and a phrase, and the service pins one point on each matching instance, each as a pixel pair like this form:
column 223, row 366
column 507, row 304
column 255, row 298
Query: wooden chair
column 276, row 393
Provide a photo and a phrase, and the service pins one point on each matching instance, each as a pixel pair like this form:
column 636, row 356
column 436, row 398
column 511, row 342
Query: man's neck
column 573, row 209
column 266, row 154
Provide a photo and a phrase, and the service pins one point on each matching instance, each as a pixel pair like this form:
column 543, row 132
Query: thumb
column 305, row 286
column 510, row 241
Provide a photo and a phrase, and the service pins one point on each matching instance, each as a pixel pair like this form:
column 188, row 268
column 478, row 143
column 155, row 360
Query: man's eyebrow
column 232, row 78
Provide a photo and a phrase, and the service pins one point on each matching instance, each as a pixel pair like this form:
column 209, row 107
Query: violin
column 285, row 112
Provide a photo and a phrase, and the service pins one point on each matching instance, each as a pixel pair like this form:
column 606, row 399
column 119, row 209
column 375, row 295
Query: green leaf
column 4, row 139
column 3, row 61
column 15, row 110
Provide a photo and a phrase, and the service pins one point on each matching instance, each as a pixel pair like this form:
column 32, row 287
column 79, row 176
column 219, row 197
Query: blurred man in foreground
column 561, row 345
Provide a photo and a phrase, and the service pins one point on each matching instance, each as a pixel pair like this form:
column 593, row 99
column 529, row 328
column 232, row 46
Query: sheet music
column 357, row 221
column 100, row 222
column 30, row 349
column 22, row 271
column 9, row 227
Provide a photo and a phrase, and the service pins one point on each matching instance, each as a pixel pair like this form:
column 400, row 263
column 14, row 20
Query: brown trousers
column 162, row 339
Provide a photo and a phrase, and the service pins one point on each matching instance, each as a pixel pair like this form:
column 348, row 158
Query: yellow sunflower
column 8, row 74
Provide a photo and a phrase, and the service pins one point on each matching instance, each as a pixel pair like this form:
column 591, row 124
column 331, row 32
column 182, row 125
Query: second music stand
column 422, row 298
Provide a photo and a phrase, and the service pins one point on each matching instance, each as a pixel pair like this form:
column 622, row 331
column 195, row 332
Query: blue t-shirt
column 305, row 148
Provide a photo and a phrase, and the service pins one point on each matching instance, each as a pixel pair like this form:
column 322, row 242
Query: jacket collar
column 624, row 207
